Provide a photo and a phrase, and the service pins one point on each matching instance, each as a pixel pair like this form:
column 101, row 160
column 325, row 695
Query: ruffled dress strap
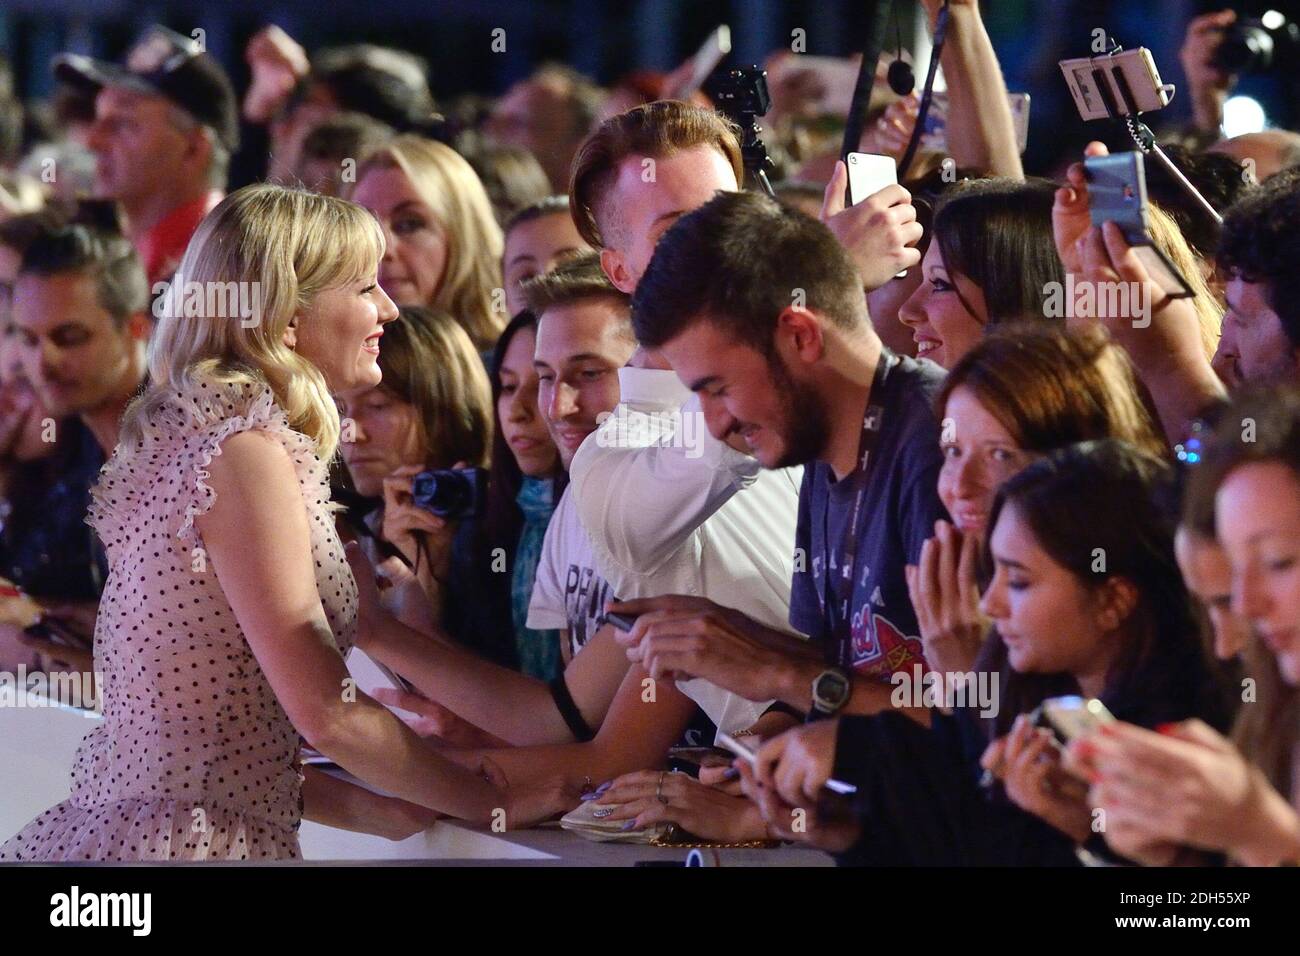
column 179, row 439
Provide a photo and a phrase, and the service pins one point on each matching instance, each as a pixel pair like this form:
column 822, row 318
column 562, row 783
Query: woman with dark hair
column 1172, row 796
column 992, row 260
column 1086, row 599
column 432, row 412
column 525, row 482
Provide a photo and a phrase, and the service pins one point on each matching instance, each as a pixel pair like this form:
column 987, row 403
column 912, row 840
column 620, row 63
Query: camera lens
column 447, row 494
column 1247, row 48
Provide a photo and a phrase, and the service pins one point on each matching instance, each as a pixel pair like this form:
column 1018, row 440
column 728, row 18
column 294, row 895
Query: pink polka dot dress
column 195, row 759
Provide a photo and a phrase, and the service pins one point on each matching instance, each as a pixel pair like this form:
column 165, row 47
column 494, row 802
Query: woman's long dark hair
column 1107, row 499
column 504, row 520
column 998, row 233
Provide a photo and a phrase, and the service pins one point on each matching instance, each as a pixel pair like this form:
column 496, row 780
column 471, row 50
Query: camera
column 742, row 94
column 1251, row 46
column 451, row 493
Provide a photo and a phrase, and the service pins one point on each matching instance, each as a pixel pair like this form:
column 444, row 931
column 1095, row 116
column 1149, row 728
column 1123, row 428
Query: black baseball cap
column 165, row 63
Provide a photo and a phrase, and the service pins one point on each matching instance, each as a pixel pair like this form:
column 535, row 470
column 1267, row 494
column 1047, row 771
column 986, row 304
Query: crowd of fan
column 814, row 457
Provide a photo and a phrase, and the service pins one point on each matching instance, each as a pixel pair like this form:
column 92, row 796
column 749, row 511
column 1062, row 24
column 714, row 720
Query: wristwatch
column 831, row 690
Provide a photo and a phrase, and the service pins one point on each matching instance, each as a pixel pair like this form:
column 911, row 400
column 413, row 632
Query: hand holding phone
column 1071, row 717
column 1117, row 192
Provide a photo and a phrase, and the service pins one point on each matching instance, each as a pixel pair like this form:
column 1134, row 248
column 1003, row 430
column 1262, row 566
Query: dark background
column 605, row 39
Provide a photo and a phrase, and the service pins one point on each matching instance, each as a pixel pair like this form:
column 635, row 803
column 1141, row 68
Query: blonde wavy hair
column 448, row 185
column 1209, row 310
column 293, row 244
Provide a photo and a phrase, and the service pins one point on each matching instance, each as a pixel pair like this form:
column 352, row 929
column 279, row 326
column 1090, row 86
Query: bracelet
column 569, row 710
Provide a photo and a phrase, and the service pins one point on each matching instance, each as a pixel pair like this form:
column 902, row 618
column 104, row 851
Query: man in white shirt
column 671, row 510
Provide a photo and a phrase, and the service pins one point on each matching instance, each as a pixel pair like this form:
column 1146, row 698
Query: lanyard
column 837, row 587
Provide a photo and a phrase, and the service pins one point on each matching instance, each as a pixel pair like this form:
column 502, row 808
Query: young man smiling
column 760, row 312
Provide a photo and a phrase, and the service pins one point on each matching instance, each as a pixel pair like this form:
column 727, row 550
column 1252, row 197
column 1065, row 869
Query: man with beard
column 761, row 314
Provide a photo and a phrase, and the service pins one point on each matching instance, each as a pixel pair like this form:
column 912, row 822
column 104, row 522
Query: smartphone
column 1071, row 717
column 706, row 59
column 1117, row 192
column 1115, row 84
column 934, row 135
column 868, row 174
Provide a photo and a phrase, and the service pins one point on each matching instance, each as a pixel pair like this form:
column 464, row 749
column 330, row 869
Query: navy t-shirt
column 900, row 509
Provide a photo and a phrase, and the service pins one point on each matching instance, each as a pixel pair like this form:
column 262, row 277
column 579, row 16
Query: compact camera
column 450, row 493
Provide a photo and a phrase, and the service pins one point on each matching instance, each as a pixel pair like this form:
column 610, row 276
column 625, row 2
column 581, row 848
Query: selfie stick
column 1146, row 142
column 1143, row 138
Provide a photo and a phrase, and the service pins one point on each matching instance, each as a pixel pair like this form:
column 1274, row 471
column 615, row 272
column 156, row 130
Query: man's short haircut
column 1216, row 176
column 546, row 206
column 121, row 286
column 1261, row 244
column 577, row 279
column 582, row 97
column 655, row 130
column 738, row 261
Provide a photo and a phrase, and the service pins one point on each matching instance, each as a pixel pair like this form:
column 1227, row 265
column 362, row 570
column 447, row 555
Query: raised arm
column 258, row 540
column 981, row 132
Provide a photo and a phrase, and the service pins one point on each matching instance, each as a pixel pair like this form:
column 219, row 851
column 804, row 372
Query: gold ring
column 659, row 790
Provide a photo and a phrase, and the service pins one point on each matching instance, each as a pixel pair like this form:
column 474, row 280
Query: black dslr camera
column 451, row 493
column 1258, row 46
column 742, row 96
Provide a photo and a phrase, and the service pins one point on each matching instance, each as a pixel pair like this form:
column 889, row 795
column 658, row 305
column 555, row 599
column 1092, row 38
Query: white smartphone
column 868, row 174
column 1071, row 717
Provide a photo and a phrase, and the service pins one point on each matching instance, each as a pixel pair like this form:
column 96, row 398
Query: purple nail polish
column 605, row 786
column 628, row 826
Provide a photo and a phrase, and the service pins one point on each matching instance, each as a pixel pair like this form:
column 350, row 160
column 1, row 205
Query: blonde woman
column 229, row 599
column 444, row 244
